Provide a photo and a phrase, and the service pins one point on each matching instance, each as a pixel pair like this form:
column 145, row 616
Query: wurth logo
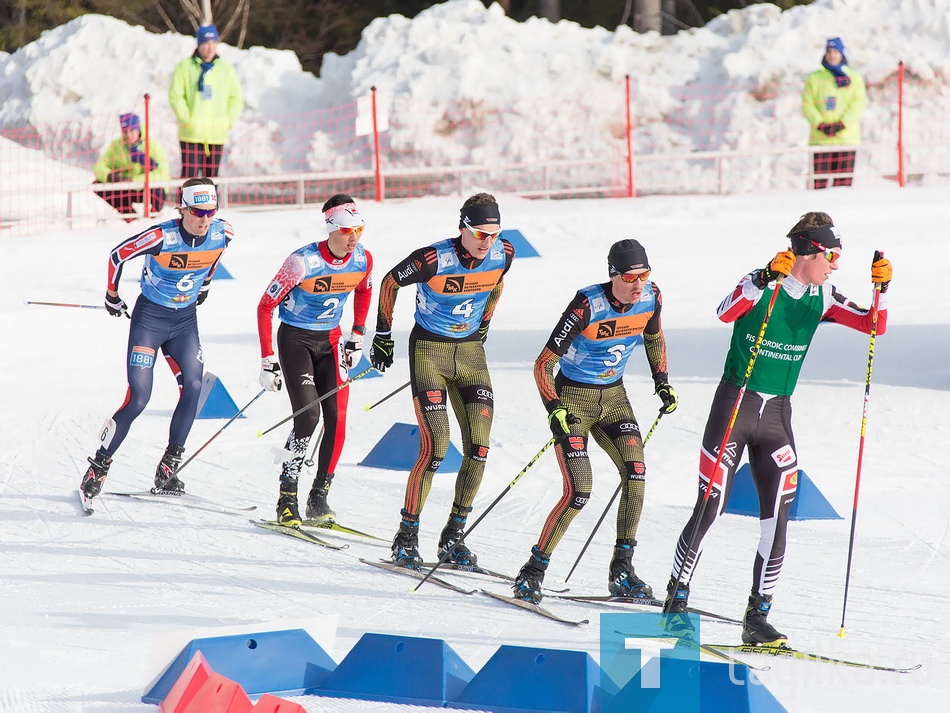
column 576, row 443
column 434, row 397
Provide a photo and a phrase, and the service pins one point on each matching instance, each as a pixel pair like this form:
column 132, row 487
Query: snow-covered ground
column 92, row 608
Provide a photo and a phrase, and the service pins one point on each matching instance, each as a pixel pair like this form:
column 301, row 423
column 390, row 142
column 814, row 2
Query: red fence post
column 900, row 124
column 630, row 192
column 148, row 161
column 376, row 171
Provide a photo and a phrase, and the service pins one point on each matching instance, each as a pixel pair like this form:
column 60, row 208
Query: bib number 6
column 186, row 283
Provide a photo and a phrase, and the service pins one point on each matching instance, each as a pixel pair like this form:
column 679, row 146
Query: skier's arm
column 420, row 266
column 290, row 275
column 146, row 243
column 654, row 343
column 574, row 320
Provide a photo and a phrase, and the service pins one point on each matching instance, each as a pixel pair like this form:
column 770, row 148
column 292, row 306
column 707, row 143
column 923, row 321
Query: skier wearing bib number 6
column 458, row 284
column 180, row 258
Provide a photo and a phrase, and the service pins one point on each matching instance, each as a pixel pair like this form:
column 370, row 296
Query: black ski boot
column 287, row 513
column 317, row 508
column 623, row 581
column 755, row 628
column 527, row 586
column 451, row 542
column 406, row 543
column 165, row 478
column 95, row 475
column 677, row 621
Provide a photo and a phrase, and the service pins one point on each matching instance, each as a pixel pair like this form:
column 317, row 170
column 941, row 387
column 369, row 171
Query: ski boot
column 677, row 620
column 755, row 628
column 317, row 508
column 287, row 513
column 452, row 547
column 165, row 478
column 623, row 581
column 406, row 543
column 527, row 586
column 95, row 475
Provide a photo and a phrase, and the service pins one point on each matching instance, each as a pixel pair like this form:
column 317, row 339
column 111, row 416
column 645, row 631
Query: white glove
column 352, row 350
column 270, row 374
column 116, row 306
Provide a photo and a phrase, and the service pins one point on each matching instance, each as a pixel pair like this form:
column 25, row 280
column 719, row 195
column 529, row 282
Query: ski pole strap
column 316, row 401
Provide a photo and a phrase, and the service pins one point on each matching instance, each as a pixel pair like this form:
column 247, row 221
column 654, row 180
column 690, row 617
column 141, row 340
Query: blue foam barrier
column 525, row 679
column 398, row 669
column 809, row 503
column 722, row 688
column 520, row 243
column 287, row 661
column 363, row 365
column 221, row 273
column 215, row 401
column 398, row 449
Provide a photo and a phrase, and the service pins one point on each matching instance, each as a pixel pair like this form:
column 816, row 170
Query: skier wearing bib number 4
column 311, row 289
column 592, row 344
column 458, row 284
column 180, row 258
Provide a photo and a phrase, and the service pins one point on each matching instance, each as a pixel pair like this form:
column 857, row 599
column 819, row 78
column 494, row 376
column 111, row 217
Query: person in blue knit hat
column 207, row 100
column 833, row 101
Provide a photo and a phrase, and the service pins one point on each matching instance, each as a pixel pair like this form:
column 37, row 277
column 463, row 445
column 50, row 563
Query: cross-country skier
column 591, row 343
column 458, row 284
column 311, row 289
column 764, row 419
column 180, row 258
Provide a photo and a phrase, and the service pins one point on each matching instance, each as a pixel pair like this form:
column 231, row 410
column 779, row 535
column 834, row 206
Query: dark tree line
column 312, row 28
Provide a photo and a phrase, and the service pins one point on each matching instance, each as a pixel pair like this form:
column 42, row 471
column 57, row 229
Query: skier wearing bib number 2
column 458, row 284
column 180, row 258
column 311, row 290
column 592, row 343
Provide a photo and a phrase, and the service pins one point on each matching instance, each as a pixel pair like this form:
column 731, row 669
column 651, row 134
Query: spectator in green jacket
column 124, row 160
column 207, row 99
column 833, row 101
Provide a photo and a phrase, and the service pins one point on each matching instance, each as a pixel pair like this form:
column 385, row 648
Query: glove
column 203, row 292
column 881, row 270
column 136, row 154
column 270, row 374
column 352, row 350
column 560, row 420
column 830, row 129
column 668, row 396
column 115, row 306
column 781, row 264
column 483, row 332
column 381, row 353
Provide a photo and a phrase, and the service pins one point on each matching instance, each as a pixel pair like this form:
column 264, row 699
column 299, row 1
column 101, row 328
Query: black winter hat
column 626, row 255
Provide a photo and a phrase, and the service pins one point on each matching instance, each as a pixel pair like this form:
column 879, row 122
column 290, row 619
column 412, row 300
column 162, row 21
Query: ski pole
column 713, row 475
column 233, row 419
column 857, row 478
column 316, row 401
column 607, row 509
column 68, row 304
column 513, row 483
column 370, row 407
column 316, row 444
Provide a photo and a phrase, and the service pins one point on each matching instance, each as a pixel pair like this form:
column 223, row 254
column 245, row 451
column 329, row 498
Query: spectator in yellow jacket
column 124, row 160
column 206, row 97
column 833, row 101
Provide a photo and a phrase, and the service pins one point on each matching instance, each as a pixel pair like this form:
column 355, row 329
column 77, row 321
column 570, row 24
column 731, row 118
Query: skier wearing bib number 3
column 311, row 290
column 592, row 344
column 180, row 258
column 458, row 284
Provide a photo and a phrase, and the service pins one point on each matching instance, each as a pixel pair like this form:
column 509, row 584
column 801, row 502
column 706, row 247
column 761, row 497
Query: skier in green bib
column 763, row 423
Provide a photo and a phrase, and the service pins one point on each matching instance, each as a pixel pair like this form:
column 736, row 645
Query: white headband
column 198, row 196
column 344, row 215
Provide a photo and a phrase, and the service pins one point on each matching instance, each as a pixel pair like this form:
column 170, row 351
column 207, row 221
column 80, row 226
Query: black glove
column 115, row 306
column 381, row 353
column 560, row 420
column 483, row 332
column 830, row 129
column 668, row 396
column 203, row 292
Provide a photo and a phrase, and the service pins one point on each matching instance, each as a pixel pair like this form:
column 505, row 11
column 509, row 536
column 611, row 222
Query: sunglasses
column 347, row 232
column 642, row 276
column 202, row 212
column 483, row 234
column 831, row 254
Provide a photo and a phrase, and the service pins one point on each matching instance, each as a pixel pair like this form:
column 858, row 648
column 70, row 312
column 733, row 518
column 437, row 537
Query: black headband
column 481, row 214
column 816, row 240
